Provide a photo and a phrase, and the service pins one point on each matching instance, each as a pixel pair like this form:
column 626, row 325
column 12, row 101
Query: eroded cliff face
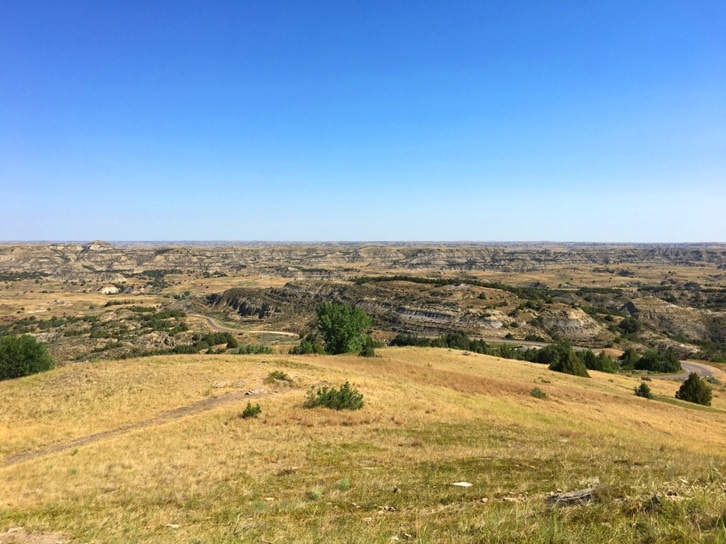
column 662, row 315
column 400, row 306
column 333, row 260
column 624, row 280
column 575, row 325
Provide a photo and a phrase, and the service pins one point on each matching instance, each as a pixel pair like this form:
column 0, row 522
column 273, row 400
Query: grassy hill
column 155, row 450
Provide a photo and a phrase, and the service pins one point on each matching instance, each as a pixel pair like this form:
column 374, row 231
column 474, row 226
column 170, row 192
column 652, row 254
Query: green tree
column 628, row 359
column 629, row 325
column 600, row 362
column 22, row 356
column 342, row 327
column 568, row 362
column 694, row 389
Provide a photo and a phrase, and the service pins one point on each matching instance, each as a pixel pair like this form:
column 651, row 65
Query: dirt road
column 222, row 328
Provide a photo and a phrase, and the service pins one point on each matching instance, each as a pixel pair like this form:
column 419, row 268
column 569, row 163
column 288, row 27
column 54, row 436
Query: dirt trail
column 222, row 328
column 160, row 418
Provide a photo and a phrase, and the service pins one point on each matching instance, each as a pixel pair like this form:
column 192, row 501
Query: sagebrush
column 345, row 398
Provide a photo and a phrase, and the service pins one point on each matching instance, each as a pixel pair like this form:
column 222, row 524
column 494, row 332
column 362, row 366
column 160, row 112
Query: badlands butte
column 83, row 299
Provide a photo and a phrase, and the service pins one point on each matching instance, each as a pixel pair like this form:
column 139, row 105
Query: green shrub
column 345, row 398
column 277, row 376
column 315, row 494
column 694, row 389
column 368, row 348
column 251, row 410
column 643, row 390
column 22, row 356
column 538, row 393
column 629, row 325
column 309, row 344
column 252, row 349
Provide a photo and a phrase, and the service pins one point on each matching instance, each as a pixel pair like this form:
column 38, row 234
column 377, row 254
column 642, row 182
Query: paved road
column 221, row 328
column 704, row 371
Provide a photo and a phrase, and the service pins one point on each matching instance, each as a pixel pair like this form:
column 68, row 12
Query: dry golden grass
column 216, row 285
column 52, row 298
column 432, row 417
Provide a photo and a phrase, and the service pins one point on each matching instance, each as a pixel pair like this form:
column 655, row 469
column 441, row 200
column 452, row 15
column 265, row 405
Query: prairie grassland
column 384, row 473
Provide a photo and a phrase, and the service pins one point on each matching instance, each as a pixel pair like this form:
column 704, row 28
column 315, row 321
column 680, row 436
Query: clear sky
column 363, row 120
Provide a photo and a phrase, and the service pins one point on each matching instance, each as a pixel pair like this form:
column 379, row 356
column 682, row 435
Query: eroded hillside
column 82, row 298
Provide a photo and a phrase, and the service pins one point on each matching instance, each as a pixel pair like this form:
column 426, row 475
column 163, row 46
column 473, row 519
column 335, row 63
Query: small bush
column 309, row 344
column 252, row 349
column 368, row 348
column 643, row 390
column 277, row 376
column 252, row 410
column 538, row 393
column 345, row 398
column 694, row 389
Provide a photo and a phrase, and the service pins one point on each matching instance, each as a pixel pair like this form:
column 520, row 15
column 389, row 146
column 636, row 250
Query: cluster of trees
column 199, row 343
column 22, row 356
column 452, row 340
column 161, row 321
column 561, row 357
column 652, row 361
column 206, row 341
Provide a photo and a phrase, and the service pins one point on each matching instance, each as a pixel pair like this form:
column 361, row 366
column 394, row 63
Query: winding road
column 221, row 328
column 703, row 371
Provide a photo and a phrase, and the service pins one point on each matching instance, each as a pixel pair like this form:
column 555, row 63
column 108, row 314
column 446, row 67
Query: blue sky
column 363, row 120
